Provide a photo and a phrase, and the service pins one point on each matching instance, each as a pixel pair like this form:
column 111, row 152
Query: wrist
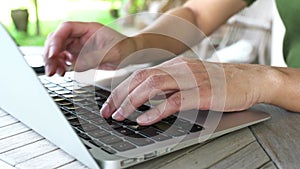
column 138, row 41
column 128, row 46
column 271, row 86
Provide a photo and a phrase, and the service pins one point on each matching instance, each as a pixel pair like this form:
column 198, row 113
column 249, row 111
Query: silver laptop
column 66, row 112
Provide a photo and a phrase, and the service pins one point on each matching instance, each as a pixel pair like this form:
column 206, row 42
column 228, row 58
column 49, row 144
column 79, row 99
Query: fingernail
column 145, row 118
column 104, row 111
column 47, row 70
column 51, row 52
column 118, row 115
column 142, row 119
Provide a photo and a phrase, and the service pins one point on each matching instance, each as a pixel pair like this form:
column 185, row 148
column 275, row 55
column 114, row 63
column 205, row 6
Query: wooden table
column 271, row 144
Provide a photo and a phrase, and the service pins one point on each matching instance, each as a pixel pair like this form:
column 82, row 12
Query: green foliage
column 46, row 26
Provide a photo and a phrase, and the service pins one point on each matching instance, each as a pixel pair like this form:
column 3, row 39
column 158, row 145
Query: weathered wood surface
column 4, row 165
column 204, row 155
column 280, row 136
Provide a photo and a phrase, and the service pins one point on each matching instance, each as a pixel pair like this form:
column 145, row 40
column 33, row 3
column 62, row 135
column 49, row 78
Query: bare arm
column 180, row 28
column 287, row 88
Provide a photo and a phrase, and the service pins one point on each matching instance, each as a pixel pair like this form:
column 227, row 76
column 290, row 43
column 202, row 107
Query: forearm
column 286, row 88
column 183, row 27
column 174, row 31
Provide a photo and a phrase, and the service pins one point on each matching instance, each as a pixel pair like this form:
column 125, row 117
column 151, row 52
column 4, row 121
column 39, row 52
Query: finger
column 180, row 78
column 180, row 101
column 152, row 86
column 119, row 94
column 57, row 41
column 58, row 65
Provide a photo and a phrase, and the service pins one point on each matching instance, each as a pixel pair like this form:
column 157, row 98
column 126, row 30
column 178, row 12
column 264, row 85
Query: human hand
column 106, row 47
column 188, row 84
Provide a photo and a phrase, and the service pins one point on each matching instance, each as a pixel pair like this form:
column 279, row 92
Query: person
column 245, row 84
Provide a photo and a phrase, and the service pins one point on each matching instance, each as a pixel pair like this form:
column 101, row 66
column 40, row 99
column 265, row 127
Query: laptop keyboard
column 81, row 108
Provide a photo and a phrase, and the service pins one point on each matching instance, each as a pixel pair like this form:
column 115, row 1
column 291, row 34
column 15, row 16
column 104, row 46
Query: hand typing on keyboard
column 63, row 46
column 187, row 84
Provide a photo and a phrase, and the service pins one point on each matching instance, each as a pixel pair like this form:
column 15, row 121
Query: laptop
column 66, row 112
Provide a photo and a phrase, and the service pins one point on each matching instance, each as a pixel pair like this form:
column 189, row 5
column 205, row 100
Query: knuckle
column 65, row 24
column 155, row 81
column 140, row 75
column 131, row 100
column 175, row 101
column 113, row 98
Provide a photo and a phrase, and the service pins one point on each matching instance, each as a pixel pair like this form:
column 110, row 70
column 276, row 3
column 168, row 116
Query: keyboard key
column 88, row 88
column 71, row 88
column 100, row 99
column 95, row 108
column 71, row 117
column 108, row 150
column 81, row 111
column 98, row 121
column 62, row 92
column 44, row 81
column 123, row 146
column 139, row 140
column 129, row 122
column 77, row 99
column 58, row 98
column 50, row 85
column 110, row 139
column 83, row 135
column 100, row 92
column 170, row 119
column 84, row 102
column 111, row 126
column 183, row 124
column 67, row 84
column 155, row 134
column 89, row 127
column 90, row 116
column 76, row 122
column 143, row 108
column 123, row 131
column 55, row 88
column 98, row 133
column 69, row 96
column 79, row 91
column 96, row 143
column 65, row 103
column 162, row 126
column 196, row 128
column 133, row 125
column 169, row 130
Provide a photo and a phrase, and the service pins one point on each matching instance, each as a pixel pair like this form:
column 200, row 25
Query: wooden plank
column 19, row 140
column 252, row 156
column 53, row 159
column 73, row 165
column 12, row 129
column 269, row 165
column 202, row 156
column 4, row 165
column 2, row 113
column 7, row 120
column 27, row 152
column 280, row 136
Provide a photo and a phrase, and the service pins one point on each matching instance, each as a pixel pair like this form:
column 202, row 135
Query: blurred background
column 251, row 30
column 30, row 21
